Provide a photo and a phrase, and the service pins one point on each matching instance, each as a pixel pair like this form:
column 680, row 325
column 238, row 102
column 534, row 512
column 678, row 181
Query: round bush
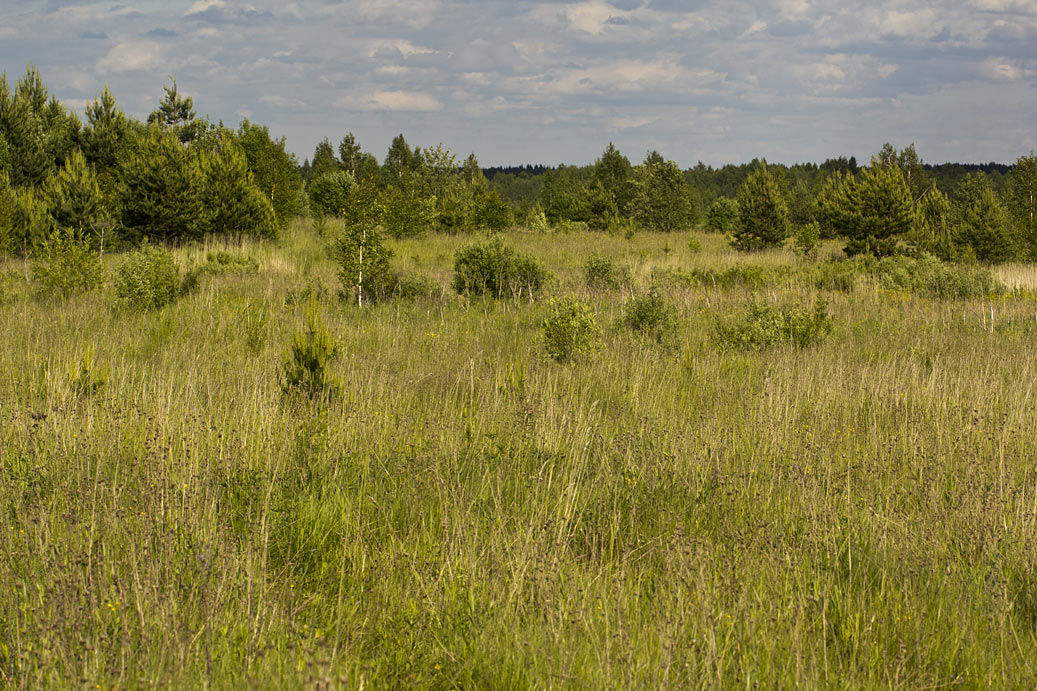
column 492, row 268
column 570, row 329
column 149, row 279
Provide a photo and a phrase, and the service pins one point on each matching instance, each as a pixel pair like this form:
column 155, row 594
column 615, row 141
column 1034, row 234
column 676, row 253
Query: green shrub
column 329, row 192
column 222, row 263
column 569, row 330
column 806, row 239
column 491, row 268
column 492, row 212
column 306, row 364
column 410, row 287
column 150, row 278
column 68, row 265
column 538, row 220
column 751, row 275
column 842, row 276
column 604, row 273
column 927, row 275
column 652, row 316
column 722, row 215
column 763, row 325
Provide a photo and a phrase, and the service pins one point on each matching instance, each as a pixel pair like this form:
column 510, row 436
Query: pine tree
column 108, row 134
column 5, row 159
column 273, row 170
column 491, row 212
column 933, row 233
column 873, row 212
column 763, row 217
column 7, row 244
column 74, row 200
column 982, row 227
column 161, row 190
column 23, row 129
column 324, row 160
column 398, row 160
column 885, row 212
column 615, row 175
column 177, row 115
column 233, row 202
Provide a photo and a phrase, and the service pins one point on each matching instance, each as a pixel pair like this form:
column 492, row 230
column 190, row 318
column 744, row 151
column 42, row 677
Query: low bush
column 569, row 330
column 410, row 286
column 806, row 239
column 749, row 275
column 13, row 286
column 68, row 265
column 602, row 273
column 722, row 215
column 222, row 263
column 762, row 325
column 150, row 278
column 842, row 275
column 927, row 275
column 652, row 316
column 494, row 269
column 538, row 220
column 305, row 369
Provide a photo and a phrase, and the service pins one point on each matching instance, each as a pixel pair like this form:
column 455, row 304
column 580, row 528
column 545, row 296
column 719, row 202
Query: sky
column 526, row 81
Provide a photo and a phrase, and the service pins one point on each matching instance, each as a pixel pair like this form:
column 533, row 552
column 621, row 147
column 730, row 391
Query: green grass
column 468, row 514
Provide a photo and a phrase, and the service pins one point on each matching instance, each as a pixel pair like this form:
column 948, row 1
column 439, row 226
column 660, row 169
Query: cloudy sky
column 520, row 81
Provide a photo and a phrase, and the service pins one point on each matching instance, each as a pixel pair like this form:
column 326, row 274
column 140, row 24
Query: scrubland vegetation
column 429, row 435
column 462, row 510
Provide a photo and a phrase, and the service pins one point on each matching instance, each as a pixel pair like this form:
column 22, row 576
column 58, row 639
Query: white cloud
column 631, row 122
column 1002, row 70
column 494, row 71
column 591, row 17
column 401, row 46
column 133, row 56
column 756, row 27
column 202, row 5
column 391, row 100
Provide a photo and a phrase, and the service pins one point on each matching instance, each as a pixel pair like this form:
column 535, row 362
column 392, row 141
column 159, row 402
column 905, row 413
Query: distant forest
column 116, row 181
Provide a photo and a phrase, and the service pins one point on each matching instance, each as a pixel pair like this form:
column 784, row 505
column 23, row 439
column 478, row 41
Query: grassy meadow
column 468, row 513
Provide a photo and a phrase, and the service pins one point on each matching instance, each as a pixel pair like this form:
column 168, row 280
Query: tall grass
column 466, row 514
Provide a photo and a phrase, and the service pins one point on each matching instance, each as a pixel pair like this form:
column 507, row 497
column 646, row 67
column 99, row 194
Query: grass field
column 470, row 514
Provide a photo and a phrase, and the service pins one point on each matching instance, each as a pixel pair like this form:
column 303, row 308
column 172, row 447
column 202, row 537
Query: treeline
column 414, row 190
column 115, row 181
column 895, row 203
